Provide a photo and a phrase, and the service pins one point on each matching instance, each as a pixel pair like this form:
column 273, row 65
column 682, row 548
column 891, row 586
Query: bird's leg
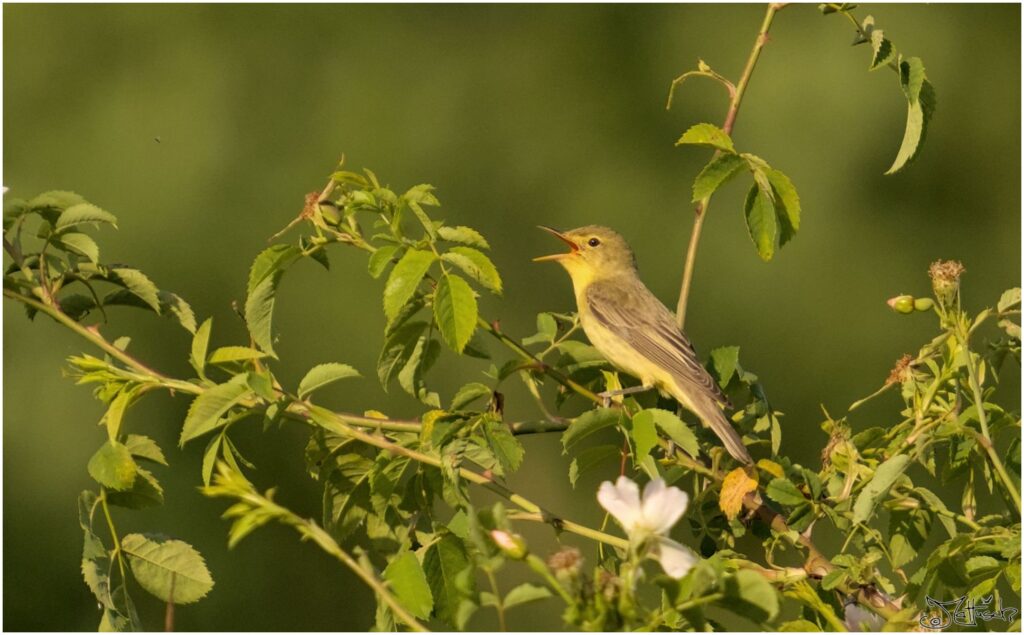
column 606, row 396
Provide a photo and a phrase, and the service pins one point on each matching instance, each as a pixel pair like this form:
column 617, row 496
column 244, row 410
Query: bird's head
column 594, row 252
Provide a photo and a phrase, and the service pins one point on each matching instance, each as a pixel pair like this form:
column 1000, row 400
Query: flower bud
column 902, row 303
column 923, row 304
column 511, row 545
column 945, row 275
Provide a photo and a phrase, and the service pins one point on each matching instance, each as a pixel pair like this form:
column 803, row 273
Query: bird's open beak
column 572, row 245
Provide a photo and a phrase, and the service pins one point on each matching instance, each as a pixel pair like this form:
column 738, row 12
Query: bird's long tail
column 713, row 417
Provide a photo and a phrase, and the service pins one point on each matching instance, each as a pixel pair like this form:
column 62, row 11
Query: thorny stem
column 730, row 120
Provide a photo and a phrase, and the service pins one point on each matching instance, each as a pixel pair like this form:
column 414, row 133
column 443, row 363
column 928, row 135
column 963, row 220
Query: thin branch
column 730, row 120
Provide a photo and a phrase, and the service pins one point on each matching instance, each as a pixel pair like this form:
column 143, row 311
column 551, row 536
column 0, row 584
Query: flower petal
column 622, row 500
column 675, row 559
column 857, row 619
column 663, row 506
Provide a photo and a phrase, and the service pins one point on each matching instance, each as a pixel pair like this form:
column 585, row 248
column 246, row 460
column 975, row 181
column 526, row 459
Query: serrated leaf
column 142, row 447
column 784, row 492
column 398, row 350
column 210, row 457
column 920, row 108
column 761, row 221
column 259, row 312
column 588, row 423
column 736, row 485
column 455, row 311
column 145, row 492
column 716, row 174
column 1010, row 299
column 725, row 360
column 525, row 593
column 589, row 459
column 112, row 466
column 476, row 265
column 884, row 478
column 380, row 259
column 463, row 235
column 506, row 448
column 269, row 262
column 547, row 328
column 673, row 427
column 171, row 570
column 231, row 354
column 81, row 244
column 56, row 200
column 81, row 213
column 323, row 374
column 407, row 581
column 200, row 344
column 404, row 280
column 787, row 205
column 708, row 135
column 173, row 304
column 468, row 394
column 115, row 412
column 443, row 563
column 884, row 52
column 139, row 285
column 206, row 410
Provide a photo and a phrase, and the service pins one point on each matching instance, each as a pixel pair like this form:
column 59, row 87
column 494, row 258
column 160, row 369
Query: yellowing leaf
column 771, row 467
column 736, row 485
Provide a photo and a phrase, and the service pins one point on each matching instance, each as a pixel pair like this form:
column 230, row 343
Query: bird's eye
column 593, row 242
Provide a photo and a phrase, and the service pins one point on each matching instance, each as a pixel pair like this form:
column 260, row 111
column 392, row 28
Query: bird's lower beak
column 572, row 245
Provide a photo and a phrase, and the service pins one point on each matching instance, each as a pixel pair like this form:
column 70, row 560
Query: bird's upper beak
column 572, row 245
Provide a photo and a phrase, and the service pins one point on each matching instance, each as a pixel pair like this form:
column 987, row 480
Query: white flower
column 652, row 517
column 858, row 619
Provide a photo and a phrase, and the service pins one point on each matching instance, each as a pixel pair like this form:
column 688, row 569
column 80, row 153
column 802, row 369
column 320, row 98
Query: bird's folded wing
column 632, row 312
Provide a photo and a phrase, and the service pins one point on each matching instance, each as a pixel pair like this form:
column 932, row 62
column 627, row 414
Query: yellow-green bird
column 635, row 332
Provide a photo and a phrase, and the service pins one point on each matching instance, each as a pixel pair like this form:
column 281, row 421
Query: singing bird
column 635, row 332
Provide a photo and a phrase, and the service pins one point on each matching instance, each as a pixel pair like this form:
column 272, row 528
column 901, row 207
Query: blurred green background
column 202, row 127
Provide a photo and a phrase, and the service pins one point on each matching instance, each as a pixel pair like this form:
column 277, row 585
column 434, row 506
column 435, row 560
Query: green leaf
column 404, row 280
column 421, row 359
column 1009, row 300
column 210, row 457
column 588, row 423
column 56, row 200
column 172, row 304
column 455, row 311
column 206, row 410
column 398, row 349
column 751, row 595
column 200, row 344
column 259, row 312
column 725, row 360
column 142, row 447
column 708, row 135
column 504, row 445
column 380, row 259
column 884, row 52
column 644, row 434
column 787, row 205
column 463, row 235
column 716, row 174
column 443, row 563
column 547, row 328
column 589, row 459
column 784, row 492
column 145, row 492
column 879, row 485
column 140, row 286
column 525, row 593
column 115, row 412
column 407, row 581
column 81, row 244
column 231, row 354
column 171, row 570
column 83, row 213
column 476, row 265
column 761, row 221
column 113, row 467
column 468, row 394
column 269, row 262
column 920, row 107
column 324, row 374
column 672, row 426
